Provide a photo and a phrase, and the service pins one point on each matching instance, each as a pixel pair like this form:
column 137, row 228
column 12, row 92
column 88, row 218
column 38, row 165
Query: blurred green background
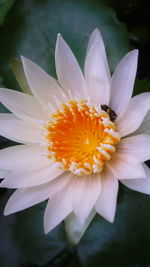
column 29, row 28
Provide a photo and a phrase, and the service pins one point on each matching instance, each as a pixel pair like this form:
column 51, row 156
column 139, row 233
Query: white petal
column 27, row 178
column 22, row 105
column 125, row 166
column 140, row 185
column 58, row 207
column 96, row 70
column 68, row 70
column 18, row 70
column 106, row 203
column 137, row 145
column 132, row 116
column 74, row 229
column 96, row 37
column 27, row 197
column 145, row 126
column 122, row 82
column 87, row 191
column 18, row 130
column 24, row 154
column 44, row 87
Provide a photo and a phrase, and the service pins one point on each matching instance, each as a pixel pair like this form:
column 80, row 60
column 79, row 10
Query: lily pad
column 35, row 24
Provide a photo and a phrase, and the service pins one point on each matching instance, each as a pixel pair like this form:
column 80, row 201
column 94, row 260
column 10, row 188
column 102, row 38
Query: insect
column 111, row 113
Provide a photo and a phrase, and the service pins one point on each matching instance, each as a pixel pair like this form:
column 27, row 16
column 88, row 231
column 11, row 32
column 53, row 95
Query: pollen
column 81, row 137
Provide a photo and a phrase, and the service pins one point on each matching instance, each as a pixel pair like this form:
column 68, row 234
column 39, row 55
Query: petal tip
column 3, row 184
column 111, row 220
column 133, row 53
column 47, row 227
column 24, row 61
column 96, row 34
column 7, row 211
column 96, row 30
column 59, row 43
column 46, row 231
column 22, row 57
column 46, row 223
column 59, row 35
column 59, row 39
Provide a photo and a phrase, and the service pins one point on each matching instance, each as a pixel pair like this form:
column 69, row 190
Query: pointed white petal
column 74, row 229
column 87, row 191
column 137, row 145
column 145, row 126
column 96, row 70
column 18, row 71
column 22, row 105
column 44, row 87
column 140, row 185
column 96, row 37
column 31, row 177
column 132, row 116
column 59, row 206
column 106, row 203
column 26, row 155
column 27, row 197
column 122, row 82
column 125, row 166
column 18, row 130
column 68, row 70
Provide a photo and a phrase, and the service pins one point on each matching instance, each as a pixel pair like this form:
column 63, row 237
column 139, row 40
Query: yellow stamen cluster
column 81, row 138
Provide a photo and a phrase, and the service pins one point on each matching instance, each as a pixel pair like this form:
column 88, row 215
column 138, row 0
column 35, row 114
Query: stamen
column 81, row 137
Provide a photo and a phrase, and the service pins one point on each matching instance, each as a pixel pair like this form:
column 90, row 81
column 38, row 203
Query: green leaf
column 123, row 243
column 35, row 24
column 5, row 6
column 1, row 81
column 3, row 109
column 23, row 239
column 9, row 255
column 141, row 86
column 36, row 247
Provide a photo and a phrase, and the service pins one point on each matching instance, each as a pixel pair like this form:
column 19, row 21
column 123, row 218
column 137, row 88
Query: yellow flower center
column 81, row 137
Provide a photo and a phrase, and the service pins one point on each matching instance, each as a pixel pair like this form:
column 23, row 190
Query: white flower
column 74, row 148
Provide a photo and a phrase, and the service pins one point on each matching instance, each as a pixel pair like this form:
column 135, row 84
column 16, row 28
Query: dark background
column 29, row 28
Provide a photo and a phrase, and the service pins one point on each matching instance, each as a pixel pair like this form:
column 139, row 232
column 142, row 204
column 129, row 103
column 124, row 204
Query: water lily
column 79, row 136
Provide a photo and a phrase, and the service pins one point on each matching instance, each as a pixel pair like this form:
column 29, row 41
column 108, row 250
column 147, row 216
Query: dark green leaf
column 141, row 86
column 5, row 5
column 35, row 24
column 9, row 256
column 123, row 243
column 23, row 239
column 36, row 247
column 2, row 108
